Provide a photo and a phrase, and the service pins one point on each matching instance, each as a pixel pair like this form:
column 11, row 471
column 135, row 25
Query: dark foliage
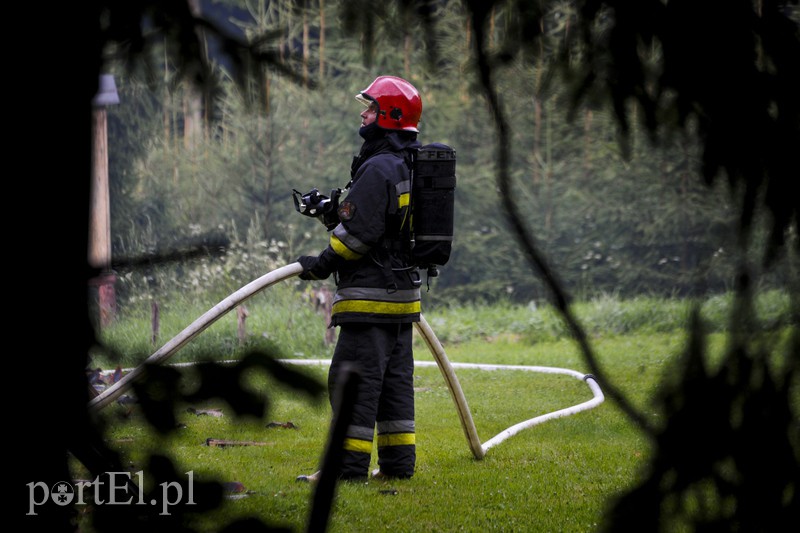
column 57, row 422
column 722, row 59
column 717, row 60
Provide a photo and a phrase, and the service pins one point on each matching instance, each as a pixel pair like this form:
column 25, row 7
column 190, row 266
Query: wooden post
column 100, row 222
column 241, row 315
column 99, row 252
column 324, row 304
column 155, row 322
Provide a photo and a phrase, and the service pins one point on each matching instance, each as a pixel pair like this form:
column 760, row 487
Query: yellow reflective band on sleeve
column 397, row 439
column 358, row 445
column 402, row 201
column 342, row 250
column 371, row 306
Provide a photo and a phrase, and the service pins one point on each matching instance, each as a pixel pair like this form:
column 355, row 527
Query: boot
column 311, row 478
column 377, row 475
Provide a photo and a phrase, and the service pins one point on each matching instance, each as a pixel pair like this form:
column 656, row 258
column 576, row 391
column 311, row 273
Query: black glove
column 312, row 268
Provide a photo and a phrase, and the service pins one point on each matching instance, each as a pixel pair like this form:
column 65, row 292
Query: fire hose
column 423, row 328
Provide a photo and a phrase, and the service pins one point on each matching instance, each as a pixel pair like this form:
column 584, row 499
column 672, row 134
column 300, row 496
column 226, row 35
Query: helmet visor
column 365, row 99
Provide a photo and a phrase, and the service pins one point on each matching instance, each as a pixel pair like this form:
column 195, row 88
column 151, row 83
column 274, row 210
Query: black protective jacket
column 374, row 282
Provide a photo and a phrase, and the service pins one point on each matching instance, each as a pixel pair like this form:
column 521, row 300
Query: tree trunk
column 192, row 96
column 321, row 40
column 306, row 52
column 587, row 140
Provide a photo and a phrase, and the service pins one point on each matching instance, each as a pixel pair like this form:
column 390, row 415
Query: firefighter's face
column 369, row 115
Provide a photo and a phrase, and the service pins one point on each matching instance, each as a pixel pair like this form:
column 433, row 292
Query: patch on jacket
column 346, row 211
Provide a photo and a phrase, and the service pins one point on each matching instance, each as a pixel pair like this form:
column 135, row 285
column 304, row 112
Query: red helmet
column 399, row 103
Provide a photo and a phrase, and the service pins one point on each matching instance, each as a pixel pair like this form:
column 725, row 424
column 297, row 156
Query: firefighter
column 377, row 297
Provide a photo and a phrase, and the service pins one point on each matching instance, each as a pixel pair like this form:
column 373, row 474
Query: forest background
column 218, row 167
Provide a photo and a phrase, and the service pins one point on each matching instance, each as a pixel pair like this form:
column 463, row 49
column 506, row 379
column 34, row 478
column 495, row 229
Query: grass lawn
column 556, row 476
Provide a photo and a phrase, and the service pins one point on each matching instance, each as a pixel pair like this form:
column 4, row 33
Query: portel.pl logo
column 63, row 493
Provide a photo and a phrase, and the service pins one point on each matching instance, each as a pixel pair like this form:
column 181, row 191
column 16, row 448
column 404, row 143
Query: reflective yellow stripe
column 342, row 250
column 397, row 439
column 371, row 306
column 355, row 245
column 403, row 200
column 358, row 445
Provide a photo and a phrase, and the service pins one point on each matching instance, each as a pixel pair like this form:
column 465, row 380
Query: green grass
column 557, row 476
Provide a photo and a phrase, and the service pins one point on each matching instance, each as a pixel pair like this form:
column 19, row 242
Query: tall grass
column 601, row 316
column 285, row 316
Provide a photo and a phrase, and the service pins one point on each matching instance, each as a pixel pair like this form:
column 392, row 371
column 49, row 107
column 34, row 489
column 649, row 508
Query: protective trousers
column 382, row 355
